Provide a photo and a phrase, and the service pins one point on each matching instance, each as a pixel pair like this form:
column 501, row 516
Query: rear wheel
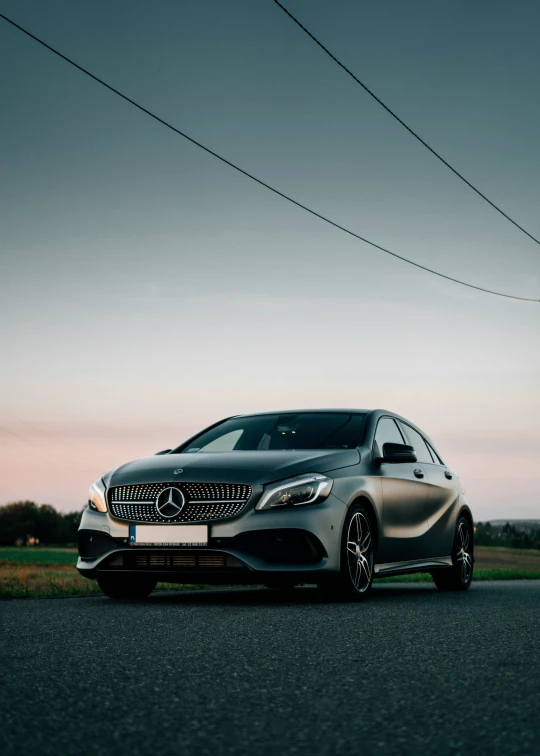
column 355, row 578
column 126, row 586
column 459, row 576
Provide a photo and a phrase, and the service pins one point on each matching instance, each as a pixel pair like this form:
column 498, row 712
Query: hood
column 249, row 467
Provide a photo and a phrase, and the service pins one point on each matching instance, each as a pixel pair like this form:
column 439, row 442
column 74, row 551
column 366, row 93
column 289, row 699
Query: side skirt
column 415, row 565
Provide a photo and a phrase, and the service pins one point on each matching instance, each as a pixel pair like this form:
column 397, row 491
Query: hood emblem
column 178, row 471
column 170, row 502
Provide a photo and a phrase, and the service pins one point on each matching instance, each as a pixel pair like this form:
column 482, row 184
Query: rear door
column 443, row 488
column 406, row 502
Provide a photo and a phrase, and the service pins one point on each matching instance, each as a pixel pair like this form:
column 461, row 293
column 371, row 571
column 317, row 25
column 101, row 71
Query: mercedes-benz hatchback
column 333, row 498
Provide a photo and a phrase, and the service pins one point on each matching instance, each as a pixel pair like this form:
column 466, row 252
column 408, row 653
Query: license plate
column 168, row 535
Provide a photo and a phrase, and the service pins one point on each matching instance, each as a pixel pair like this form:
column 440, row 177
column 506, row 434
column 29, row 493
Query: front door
column 406, row 502
column 444, row 492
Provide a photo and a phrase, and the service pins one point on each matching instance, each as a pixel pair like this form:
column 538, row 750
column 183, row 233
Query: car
column 333, row 498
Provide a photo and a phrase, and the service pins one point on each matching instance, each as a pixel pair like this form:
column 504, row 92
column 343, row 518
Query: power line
column 40, row 431
column 254, row 178
column 398, row 119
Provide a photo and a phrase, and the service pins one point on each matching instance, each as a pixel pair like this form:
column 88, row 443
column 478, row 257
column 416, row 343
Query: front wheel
column 459, row 576
column 355, row 578
column 128, row 587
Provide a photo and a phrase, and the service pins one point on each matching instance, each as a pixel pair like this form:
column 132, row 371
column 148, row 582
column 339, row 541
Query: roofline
column 377, row 412
column 347, row 410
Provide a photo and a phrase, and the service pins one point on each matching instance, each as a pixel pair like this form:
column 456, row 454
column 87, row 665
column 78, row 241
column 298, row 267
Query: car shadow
column 260, row 596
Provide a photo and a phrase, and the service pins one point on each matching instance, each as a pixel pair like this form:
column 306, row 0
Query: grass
column 23, row 580
column 36, row 572
column 493, row 551
column 38, row 555
column 41, row 572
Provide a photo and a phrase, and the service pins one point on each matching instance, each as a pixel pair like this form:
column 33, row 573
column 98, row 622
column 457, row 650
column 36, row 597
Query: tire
column 459, row 576
column 355, row 578
column 128, row 587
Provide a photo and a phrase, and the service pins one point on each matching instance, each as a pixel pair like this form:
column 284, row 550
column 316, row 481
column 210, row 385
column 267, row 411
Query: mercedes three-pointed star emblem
column 170, row 502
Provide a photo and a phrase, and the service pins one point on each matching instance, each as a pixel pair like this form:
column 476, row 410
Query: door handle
column 418, row 473
column 448, row 475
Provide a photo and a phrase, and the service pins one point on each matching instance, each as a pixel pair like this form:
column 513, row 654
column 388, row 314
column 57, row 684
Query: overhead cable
column 254, row 178
column 399, row 120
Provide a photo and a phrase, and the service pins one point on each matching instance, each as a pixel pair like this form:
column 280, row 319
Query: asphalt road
column 246, row 671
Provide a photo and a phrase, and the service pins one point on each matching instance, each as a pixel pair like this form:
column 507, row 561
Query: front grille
column 203, row 501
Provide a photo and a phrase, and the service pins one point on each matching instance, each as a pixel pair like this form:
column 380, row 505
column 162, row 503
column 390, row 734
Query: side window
column 434, row 454
column 420, row 446
column 387, row 433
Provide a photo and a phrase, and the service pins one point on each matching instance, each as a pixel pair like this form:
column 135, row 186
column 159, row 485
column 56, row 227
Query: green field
column 41, row 572
column 38, row 555
column 35, row 572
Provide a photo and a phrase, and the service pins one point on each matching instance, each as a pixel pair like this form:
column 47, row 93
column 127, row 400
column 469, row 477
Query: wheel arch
column 370, row 508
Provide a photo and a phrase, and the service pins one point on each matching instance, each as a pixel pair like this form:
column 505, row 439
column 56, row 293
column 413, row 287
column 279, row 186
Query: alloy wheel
column 360, row 552
column 463, row 556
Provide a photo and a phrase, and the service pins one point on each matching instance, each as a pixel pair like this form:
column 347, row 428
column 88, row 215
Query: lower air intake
column 163, row 560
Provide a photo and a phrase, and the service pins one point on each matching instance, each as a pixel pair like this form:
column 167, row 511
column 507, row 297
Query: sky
column 147, row 290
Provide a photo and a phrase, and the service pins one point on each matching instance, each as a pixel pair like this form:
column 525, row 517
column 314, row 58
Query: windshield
column 288, row 431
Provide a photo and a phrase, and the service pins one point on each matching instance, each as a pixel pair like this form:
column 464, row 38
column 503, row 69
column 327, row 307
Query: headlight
column 96, row 496
column 310, row 488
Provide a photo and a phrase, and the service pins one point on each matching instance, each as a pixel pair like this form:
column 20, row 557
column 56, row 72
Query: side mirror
column 165, row 451
column 398, row 453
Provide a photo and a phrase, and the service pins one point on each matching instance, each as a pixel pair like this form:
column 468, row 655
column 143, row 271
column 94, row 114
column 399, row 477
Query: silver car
column 334, row 498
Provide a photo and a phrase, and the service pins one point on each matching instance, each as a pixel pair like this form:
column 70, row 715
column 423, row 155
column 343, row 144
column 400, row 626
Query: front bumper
column 299, row 542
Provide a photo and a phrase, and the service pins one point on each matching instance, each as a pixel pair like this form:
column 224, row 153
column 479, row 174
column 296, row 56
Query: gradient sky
column 147, row 290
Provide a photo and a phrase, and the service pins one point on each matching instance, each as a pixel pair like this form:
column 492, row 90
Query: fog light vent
column 211, row 560
column 183, row 560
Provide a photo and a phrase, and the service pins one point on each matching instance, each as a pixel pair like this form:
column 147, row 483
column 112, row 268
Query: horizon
column 60, row 455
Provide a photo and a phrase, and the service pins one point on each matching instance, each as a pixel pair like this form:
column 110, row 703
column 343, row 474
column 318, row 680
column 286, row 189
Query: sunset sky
column 147, row 290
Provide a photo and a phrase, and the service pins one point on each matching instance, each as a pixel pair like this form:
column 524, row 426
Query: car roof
column 308, row 409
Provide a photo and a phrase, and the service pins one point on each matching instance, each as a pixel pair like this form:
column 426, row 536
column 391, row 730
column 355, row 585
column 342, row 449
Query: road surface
column 250, row 672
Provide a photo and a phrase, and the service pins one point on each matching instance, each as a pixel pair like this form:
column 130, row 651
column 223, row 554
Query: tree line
column 509, row 536
column 25, row 522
